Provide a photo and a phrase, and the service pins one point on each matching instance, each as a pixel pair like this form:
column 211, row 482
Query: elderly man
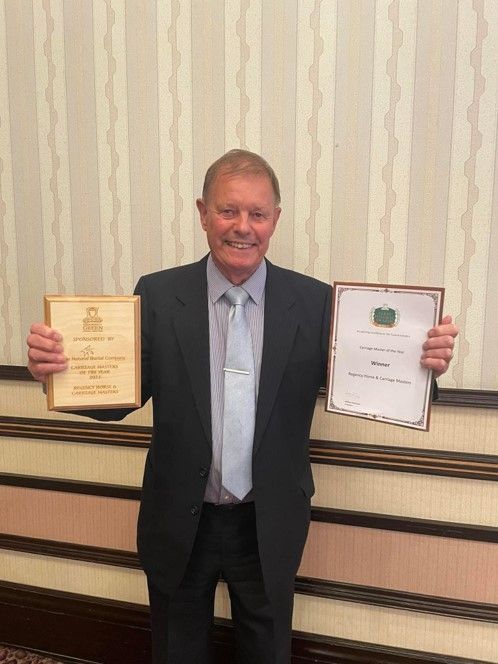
column 234, row 350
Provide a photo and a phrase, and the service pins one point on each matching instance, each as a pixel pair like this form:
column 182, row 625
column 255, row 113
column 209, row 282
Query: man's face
column 239, row 217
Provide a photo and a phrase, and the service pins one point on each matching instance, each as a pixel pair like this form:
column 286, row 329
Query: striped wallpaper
column 380, row 117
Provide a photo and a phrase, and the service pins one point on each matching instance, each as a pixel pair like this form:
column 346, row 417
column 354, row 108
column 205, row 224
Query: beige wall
column 423, row 564
column 446, row 567
column 349, row 620
column 380, row 117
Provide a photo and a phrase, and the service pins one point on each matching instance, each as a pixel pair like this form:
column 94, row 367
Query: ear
column 201, row 206
column 276, row 216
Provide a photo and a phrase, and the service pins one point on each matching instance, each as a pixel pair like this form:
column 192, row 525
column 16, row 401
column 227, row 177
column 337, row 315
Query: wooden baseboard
column 104, row 631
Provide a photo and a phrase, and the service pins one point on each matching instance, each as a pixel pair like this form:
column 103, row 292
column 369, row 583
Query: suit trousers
column 225, row 548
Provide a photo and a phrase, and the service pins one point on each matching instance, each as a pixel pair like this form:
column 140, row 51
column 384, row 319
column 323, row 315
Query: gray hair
column 241, row 162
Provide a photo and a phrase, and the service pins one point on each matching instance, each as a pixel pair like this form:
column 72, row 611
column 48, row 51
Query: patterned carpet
column 18, row 656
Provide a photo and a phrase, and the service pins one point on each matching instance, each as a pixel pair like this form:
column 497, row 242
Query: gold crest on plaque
column 92, row 321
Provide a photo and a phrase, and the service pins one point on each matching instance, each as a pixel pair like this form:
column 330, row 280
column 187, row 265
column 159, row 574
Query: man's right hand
column 45, row 352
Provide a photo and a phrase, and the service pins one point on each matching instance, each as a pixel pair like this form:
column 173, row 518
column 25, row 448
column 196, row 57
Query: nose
column 242, row 223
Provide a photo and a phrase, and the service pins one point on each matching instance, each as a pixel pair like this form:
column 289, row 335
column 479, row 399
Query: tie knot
column 237, row 295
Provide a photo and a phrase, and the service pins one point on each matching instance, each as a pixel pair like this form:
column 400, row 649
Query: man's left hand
column 438, row 349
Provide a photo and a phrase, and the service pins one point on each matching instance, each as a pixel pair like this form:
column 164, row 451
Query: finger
column 438, row 353
column 45, row 331
column 437, row 365
column 441, row 330
column 44, row 343
column 39, row 356
column 42, row 371
column 446, row 326
column 45, row 368
column 446, row 341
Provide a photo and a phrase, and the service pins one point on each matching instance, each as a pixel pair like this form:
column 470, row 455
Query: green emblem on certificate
column 384, row 316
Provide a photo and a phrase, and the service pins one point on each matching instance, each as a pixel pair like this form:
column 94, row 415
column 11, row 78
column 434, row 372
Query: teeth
column 239, row 245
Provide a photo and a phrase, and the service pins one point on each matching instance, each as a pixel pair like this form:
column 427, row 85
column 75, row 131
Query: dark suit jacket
column 175, row 372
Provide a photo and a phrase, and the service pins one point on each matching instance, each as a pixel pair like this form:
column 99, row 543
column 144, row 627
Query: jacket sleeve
column 327, row 311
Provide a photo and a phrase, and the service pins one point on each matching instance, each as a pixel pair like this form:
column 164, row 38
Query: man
column 196, row 523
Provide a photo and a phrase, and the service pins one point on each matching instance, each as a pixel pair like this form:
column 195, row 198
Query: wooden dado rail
column 447, row 396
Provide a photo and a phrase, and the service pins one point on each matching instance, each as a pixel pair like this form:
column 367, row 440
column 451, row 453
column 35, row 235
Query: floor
column 17, row 656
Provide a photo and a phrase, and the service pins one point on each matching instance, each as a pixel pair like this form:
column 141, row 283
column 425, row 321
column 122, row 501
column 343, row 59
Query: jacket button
column 194, row 510
column 203, row 472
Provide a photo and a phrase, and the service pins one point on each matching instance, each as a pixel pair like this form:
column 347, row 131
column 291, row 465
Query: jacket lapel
column 192, row 329
column 279, row 332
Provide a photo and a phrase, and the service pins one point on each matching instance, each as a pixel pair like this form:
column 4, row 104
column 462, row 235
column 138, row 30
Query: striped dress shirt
column 219, row 308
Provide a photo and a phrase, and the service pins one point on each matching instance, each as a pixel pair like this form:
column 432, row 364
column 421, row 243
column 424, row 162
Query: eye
column 258, row 215
column 227, row 213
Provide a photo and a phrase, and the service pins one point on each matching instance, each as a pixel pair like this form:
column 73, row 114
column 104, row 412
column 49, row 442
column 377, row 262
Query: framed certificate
column 376, row 342
column 101, row 338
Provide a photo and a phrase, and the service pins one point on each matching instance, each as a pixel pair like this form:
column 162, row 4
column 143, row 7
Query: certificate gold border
column 426, row 413
column 92, row 299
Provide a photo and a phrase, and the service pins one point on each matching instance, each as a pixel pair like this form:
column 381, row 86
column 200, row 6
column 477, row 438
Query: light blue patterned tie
column 240, row 399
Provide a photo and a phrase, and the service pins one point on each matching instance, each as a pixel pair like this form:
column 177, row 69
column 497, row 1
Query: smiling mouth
column 239, row 245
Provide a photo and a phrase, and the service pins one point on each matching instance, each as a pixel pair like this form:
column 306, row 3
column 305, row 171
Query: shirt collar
column 218, row 284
